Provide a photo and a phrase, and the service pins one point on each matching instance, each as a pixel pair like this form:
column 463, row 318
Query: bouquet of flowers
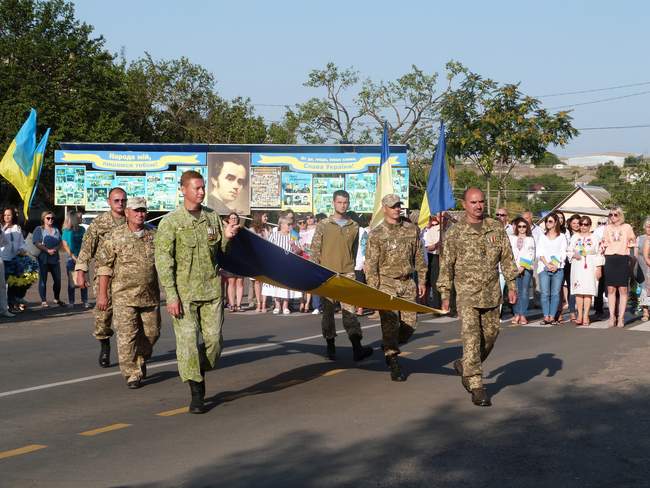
column 21, row 271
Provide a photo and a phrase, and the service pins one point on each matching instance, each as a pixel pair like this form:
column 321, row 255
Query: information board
column 69, row 185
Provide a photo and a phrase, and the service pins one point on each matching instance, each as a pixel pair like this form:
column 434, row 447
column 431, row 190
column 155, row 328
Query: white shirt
column 431, row 237
column 361, row 249
column 548, row 248
column 13, row 243
column 527, row 251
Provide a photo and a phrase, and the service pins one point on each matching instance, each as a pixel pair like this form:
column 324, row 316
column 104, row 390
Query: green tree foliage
column 547, row 160
column 632, row 196
column 608, row 176
column 496, row 127
column 632, row 161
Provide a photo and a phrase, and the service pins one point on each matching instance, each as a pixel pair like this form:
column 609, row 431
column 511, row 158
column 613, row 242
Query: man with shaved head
column 472, row 252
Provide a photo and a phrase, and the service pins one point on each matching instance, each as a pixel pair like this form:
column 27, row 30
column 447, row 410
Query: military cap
column 391, row 200
column 136, row 202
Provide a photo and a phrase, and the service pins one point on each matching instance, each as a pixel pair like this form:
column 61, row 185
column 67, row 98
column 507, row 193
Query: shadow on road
column 522, row 371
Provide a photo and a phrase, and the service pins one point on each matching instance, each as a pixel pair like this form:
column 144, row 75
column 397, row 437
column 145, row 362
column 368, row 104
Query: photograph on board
column 228, row 184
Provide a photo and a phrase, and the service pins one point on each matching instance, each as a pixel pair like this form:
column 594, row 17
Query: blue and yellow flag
column 21, row 165
column 438, row 196
column 384, row 180
column 255, row 257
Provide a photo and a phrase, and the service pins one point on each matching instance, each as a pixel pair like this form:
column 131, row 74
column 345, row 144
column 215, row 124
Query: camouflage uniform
column 393, row 254
column 330, row 235
column 186, row 260
column 470, row 260
column 90, row 245
column 128, row 258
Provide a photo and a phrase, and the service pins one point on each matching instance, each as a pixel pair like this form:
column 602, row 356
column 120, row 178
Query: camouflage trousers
column 479, row 332
column 200, row 320
column 138, row 329
column 350, row 320
column 103, row 318
column 397, row 327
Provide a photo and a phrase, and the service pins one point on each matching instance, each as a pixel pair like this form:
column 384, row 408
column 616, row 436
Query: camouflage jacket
column 394, row 251
column 470, row 260
column 335, row 246
column 187, row 251
column 129, row 260
column 93, row 238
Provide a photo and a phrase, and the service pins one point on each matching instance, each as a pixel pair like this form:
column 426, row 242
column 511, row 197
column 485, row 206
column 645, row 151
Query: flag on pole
column 21, row 165
column 384, row 180
column 438, row 196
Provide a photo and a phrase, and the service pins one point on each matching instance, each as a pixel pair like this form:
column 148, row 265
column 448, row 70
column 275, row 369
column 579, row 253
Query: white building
column 597, row 159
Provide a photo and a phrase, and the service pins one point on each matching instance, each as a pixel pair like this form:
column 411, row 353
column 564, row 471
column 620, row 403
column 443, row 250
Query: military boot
column 105, row 353
column 359, row 352
column 395, row 371
column 331, row 349
column 480, row 398
column 458, row 367
column 197, row 405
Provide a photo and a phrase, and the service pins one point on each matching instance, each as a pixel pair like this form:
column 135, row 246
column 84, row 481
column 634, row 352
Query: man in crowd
column 334, row 246
column 502, row 216
column 94, row 237
column 186, row 247
column 536, row 230
column 229, row 181
column 125, row 265
column 474, row 248
column 393, row 255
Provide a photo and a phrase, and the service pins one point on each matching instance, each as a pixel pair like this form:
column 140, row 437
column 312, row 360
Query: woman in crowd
column 47, row 239
column 14, row 245
column 234, row 283
column 283, row 239
column 523, row 249
column 572, row 227
column 4, row 307
column 586, row 268
column 73, row 234
column 643, row 258
column 618, row 238
column 551, row 253
column 260, row 227
column 306, row 229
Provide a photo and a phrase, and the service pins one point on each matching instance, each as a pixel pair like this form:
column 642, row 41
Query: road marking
column 176, row 411
column 151, row 366
column 101, row 430
column 21, row 450
column 332, row 372
column 453, row 341
column 426, row 348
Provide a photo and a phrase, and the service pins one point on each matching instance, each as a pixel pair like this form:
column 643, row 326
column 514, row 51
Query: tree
column 631, row 161
column 497, row 127
column 633, row 195
column 608, row 176
column 547, row 160
column 51, row 61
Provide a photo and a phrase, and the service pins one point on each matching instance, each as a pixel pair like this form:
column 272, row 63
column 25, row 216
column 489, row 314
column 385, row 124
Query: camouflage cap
column 136, row 202
column 391, row 200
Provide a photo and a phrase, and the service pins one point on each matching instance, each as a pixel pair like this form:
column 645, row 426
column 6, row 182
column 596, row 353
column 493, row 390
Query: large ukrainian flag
column 21, row 165
column 255, row 257
column 384, row 180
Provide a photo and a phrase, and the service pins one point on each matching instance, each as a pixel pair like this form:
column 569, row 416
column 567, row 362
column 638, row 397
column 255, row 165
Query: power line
column 616, row 127
column 593, row 90
column 599, row 101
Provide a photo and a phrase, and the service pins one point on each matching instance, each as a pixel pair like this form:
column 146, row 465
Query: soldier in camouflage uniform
column 126, row 266
column 334, row 246
column 472, row 252
column 90, row 245
column 187, row 245
column 394, row 253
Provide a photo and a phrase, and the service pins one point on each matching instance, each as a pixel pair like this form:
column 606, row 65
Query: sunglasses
column 585, row 223
column 49, row 218
column 119, row 200
column 613, row 214
column 502, row 215
column 301, row 222
column 522, row 226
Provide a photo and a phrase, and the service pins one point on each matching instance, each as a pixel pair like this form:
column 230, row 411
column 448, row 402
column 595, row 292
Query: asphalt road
column 570, row 409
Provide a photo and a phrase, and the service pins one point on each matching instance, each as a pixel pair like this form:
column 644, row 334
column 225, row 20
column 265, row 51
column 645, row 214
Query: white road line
column 167, row 363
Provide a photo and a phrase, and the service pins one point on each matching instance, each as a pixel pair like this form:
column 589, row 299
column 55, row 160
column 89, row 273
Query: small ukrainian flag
column 21, row 165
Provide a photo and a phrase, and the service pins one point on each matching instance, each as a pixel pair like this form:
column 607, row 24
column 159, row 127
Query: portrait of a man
column 228, row 188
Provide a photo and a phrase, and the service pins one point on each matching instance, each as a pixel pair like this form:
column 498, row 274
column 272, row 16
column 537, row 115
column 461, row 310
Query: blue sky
column 264, row 50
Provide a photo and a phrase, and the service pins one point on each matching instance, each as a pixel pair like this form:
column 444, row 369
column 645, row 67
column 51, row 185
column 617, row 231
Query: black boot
column 105, row 353
column 331, row 349
column 395, row 371
column 480, row 397
column 359, row 352
column 198, row 391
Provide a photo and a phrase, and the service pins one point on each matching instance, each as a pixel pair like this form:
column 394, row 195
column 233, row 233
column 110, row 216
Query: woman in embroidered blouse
column 523, row 249
column 586, row 268
column 618, row 238
column 551, row 251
